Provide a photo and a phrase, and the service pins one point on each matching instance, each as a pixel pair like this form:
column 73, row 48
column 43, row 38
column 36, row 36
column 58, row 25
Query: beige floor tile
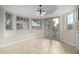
column 39, row 46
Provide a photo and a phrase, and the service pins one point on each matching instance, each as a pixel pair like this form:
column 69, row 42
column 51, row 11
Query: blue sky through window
column 35, row 24
column 70, row 19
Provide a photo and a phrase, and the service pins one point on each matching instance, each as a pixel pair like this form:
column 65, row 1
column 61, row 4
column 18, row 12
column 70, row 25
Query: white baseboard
column 69, row 42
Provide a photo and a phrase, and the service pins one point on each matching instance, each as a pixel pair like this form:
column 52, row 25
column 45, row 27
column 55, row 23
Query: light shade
column 43, row 13
column 40, row 14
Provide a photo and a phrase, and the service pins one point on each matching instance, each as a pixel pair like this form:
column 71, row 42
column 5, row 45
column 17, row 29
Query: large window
column 70, row 21
column 36, row 24
column 22, row 23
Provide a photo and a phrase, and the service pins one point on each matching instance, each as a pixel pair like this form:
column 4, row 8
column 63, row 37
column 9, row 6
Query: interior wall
column 19, row 35
column 77, row 27
column 67, row 36
column 13, row 36
column 1, row 26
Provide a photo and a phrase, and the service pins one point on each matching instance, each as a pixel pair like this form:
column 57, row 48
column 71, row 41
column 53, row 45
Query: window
column 8, row 18
column 36, row 24
column 22, row 23
column 70, row 21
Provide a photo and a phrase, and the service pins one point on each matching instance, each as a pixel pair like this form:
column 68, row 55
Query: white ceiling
column 29, row 10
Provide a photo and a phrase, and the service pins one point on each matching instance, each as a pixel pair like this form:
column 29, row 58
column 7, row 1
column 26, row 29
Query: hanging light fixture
column 40, row 11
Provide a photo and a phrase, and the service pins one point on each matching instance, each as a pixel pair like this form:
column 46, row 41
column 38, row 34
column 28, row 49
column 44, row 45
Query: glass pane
column 56, row 22
column 70, row 21
column 8, row 21
column 56, row 27
column 36, row 24
column 22, row 23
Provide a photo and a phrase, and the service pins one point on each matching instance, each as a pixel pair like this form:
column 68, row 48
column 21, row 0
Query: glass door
column 55, row 28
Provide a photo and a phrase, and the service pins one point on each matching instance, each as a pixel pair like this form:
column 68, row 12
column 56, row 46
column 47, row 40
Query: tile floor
column 39, row 46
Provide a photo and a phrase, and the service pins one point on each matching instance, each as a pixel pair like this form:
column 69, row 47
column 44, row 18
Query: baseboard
column 68, row 42
column 11, row 43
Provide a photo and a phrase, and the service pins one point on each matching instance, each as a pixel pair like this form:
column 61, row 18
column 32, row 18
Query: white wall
column 67, row 36
column 1, row 25
column 77, row 28
column 8, row 37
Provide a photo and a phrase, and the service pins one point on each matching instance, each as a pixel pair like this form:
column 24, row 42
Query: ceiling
column 29, row 10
